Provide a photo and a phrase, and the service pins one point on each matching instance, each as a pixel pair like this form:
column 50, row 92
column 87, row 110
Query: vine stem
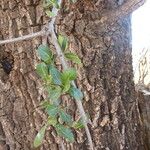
column 78, row 103
column 65, row 66
column 22, row 38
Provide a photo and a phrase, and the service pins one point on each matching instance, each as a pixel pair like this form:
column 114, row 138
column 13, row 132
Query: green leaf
column 39, row 137
column 66, row 86
column 44, row 103
column 49, row 13
column 52, row 121
column 47, row 3
column 69, row 74
column 55, row 3
column 76, row 93
column 78, row 124
column 45, row 53
column 52, row 110
column 63, row 42
column 56, row 75
column 73, row 57
column 42, row 70
column 65, row 117
column 48, row 79
column 54, row 92
column 65, row 132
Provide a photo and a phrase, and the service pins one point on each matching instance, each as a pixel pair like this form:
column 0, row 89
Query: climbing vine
column 58, row 83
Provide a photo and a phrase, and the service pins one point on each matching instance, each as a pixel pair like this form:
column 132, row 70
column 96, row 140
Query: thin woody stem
column 22, row 38
column 79, row 104
column 65, row 66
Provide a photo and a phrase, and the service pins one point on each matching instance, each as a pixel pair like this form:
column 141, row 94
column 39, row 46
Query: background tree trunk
column 106, row 77
column 144, row 105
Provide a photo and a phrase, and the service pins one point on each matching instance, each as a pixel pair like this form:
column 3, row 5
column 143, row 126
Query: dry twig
column 22, row 38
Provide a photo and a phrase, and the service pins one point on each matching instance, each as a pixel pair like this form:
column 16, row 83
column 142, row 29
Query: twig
column 79, row 104
column 65, row 66
column 22, row 38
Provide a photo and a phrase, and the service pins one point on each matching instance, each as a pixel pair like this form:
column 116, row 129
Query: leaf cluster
column 48, row 5
column 57, row 83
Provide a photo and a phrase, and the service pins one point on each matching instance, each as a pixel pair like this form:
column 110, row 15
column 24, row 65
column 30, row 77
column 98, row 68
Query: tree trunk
column 20, row 88
column 144, row 105
column 106, row 77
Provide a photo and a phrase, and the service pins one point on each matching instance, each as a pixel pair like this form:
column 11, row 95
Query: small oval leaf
column 73, row 57
column 76, row 93
column 65, row 132
column 63, row 42
column 42, row 70
column 52, row 121
column 56, row 75
column 65, row 117
column 45, row 53
column 78, row 124
column 54, row 92
column 69, row 74
column 52, row 110
column 39, row 137
column 66, row 86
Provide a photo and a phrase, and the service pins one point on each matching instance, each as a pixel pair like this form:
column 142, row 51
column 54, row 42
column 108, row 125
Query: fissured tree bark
column 106, row 78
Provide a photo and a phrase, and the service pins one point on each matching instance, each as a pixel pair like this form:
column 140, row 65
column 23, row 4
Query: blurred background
column 141, row 46
column 141, row 64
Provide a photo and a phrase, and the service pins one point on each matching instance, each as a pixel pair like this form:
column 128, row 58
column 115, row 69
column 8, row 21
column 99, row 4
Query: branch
column 125, row 9
column 22, row 38
column 65, row 66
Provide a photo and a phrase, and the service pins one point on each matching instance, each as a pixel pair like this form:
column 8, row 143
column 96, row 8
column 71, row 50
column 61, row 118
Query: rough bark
column 106, row 77
column 20, row 89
